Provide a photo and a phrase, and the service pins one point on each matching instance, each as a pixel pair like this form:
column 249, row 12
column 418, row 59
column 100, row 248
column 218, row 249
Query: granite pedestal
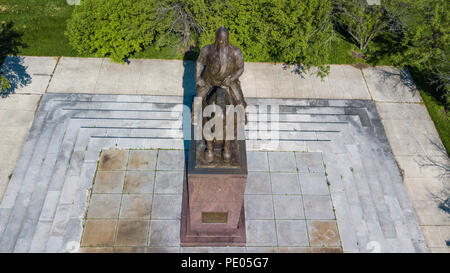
column 213, row 199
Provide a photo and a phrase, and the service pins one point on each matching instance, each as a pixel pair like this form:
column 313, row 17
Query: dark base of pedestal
column 191, row 238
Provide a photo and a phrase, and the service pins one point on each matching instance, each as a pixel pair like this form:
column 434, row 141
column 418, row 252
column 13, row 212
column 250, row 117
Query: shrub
column 287, row 31
column 110, row 28
column 274, row 30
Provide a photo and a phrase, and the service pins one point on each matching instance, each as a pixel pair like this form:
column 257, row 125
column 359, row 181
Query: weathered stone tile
column 261, row 233
column 429, row 213
column 135, row 249
column 257, row 161
column 309, row 162
column 292, row 233
column 39, row 65
column 261, row 249
column 282, row 162
column 169, row 182
column 323, row 233
column 288, row 249
column 285, row 183
column 96, row 250
column 318, row 207
column 109, row 182
column 439, row 249
column 13, row 152
column 104, row 206
column 16, row 118
column 437, row 236
column 196, row 249
column 229, row 249
column 51, row 203
column 171, row 249
column 40, row 237
column 313, row 184
column 258, row 207
column 164, row 233
column 68, row 68
column 136, row 206
column 142, row 160
column 258, row 183
column 388, row 84
column 99, row 233
column 423, row 188
column 116, row 78
column 171, row 160
column 326, row 250
column 113, row 160
column 36, row 85
column 132, row 233
column 288, row 207
column 14, row 135
column 166, row 207
column 348, row 236
column 139, row 182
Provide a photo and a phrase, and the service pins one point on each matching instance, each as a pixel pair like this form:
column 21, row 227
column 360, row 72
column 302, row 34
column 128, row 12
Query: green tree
column 111, row 28
column 425, row 33
column 180, row 18
column 279, row 30
column 10, row 44
column 300, row 32
column 425, row 41
column 364, row 21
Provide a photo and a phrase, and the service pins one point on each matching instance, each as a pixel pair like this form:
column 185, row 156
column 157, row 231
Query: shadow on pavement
column 13, row 73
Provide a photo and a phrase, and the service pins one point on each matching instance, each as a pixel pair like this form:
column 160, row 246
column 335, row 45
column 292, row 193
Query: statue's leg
column 226, row 151
column 236, row 93
column 209, row 152
column 226, row 154
column 238, row 96
column 201, row 91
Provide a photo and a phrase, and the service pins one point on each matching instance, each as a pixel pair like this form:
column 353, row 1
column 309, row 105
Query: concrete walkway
column 409, row 129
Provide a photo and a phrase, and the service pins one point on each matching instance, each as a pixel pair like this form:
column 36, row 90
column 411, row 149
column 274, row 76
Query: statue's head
column 222, row 37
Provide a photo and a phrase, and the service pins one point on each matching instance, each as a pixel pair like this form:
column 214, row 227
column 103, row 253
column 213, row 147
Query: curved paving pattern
column 46, row 199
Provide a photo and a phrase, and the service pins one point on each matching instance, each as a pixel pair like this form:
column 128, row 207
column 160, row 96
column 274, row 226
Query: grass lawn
column 43, row 23
column 436, row 109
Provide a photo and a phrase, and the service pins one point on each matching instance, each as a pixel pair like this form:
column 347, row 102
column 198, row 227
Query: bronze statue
column 218, row 69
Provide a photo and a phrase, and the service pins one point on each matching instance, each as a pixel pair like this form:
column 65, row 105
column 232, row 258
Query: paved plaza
column 107, row 148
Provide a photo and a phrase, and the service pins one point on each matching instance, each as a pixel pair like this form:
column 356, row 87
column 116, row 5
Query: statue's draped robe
column 218, row 68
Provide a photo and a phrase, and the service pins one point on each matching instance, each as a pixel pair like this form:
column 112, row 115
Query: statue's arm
column 239, row 65
column 200, row 64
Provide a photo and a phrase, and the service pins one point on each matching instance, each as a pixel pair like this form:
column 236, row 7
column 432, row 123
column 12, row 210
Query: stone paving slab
column 418, row 153
column 17, row 113
column 388, row 84
column 75, row 75
column 28, row 74
column 176, row 78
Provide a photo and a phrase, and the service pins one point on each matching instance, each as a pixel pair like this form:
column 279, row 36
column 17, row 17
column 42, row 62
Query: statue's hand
column 200, row 82
column 227, row 81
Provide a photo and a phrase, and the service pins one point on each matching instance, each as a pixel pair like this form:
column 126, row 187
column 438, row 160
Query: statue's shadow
column 188, row 96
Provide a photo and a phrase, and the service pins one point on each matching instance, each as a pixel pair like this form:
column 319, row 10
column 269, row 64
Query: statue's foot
column 209, row 156
column 226, row 155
